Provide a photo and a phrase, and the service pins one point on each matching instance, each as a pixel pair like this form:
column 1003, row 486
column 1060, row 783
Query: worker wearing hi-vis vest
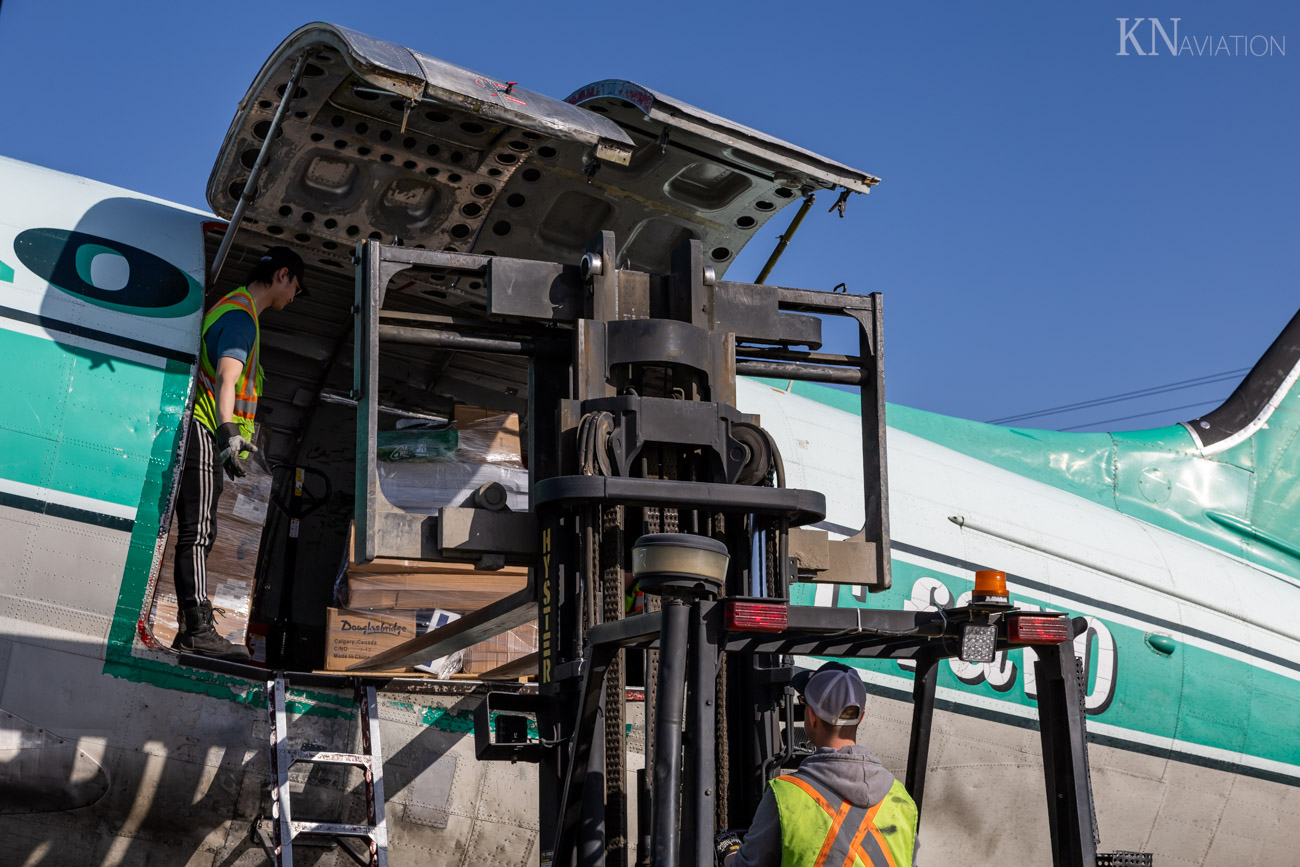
column 221, row 437
column 841, row 808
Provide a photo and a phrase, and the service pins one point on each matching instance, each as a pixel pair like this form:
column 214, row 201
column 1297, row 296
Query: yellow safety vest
column 819, row 831
column 247, row 388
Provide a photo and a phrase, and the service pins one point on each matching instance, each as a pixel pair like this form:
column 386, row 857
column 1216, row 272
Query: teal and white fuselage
column 116, row 754
column 1193, row 652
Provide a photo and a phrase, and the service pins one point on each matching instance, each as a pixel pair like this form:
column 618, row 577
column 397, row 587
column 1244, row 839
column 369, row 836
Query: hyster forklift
column 578, row 246
column 642, row 467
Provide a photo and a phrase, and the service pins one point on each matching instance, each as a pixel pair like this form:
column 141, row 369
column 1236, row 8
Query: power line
column 1181, row 384
column 1141, row 414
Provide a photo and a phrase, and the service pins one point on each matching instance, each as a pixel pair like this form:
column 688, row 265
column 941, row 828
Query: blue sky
column 1055, row 223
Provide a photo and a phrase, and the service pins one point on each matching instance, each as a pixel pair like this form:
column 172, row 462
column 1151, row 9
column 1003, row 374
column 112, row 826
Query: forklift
column 564, row 259
column 643, row 469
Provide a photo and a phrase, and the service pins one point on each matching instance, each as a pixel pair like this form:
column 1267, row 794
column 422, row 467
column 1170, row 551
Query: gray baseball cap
column 835, row 693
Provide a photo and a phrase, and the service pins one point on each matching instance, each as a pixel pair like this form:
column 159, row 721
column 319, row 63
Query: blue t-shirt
column 231, row 336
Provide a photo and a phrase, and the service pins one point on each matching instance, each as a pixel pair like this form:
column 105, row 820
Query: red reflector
column 1038, row 630
column 756, row 616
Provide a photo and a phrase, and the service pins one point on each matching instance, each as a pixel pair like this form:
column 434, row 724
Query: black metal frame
column 755, row 325
column 690, row 636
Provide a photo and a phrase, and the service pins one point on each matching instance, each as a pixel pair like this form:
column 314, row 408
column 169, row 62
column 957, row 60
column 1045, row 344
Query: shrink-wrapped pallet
column 241, row 512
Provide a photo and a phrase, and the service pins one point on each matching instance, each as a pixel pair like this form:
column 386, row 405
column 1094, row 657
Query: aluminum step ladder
column 284, row 829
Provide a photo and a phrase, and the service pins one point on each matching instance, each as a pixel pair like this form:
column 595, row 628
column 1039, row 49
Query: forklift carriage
column 634, row 431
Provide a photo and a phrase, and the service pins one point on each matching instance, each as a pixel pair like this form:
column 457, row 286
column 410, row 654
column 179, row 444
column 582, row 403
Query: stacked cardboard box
column 354, row 635
column 421, row 476
column 419, row 584
column 506, row 647
column 404, row 590
column 488, row 436
column 421, row 471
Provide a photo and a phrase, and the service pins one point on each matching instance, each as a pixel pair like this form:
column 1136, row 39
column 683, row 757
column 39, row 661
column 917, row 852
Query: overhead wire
column 1212, row 402
column 1208, row 379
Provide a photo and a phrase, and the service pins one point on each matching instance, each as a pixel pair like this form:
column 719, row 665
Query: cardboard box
column 455, row 591
column 352, row 636
column 488, row 435
column 506, row 647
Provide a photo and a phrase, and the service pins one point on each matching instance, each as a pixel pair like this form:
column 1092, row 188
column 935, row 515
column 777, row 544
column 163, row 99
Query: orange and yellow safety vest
column 249, row 384
column 818, row 830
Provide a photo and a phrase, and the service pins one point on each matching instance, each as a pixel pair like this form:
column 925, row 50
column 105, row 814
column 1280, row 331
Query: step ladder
column 284, row 829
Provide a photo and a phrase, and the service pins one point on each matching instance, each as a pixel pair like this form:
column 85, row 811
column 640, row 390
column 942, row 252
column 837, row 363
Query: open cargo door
column 383, row 142
column 380, row 143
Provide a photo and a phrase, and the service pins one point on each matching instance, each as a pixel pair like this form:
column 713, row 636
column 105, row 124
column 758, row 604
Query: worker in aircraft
column 841, row 808
column 222, row 432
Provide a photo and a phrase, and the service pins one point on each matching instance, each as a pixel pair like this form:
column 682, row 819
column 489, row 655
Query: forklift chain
column 612, row 605
column 722, row 742
column 769, row 565
column 654, row 522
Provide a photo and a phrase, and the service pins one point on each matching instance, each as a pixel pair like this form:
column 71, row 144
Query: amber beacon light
column 990, row 586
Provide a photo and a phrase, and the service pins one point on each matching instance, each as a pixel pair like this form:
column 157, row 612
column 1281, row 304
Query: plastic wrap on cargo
column 500, row 649
column 426, row 486
column 241, row 512
column 417, row 444
column 488, row 436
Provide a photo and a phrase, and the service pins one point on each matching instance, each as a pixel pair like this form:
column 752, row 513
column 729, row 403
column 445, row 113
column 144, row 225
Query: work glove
column 234, row 450
column 725, row 844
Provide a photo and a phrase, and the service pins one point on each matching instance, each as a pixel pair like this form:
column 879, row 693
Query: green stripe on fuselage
column 77, row 421
column 1194, row 695
column 1157, row 475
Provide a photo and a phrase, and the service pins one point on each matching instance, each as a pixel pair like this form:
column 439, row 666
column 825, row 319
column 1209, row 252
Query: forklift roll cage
column 632, row 418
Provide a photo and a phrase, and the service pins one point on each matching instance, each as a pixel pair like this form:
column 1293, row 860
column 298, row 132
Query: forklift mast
column 634, row 435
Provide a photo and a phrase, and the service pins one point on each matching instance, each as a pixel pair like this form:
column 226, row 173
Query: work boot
column 198, row 635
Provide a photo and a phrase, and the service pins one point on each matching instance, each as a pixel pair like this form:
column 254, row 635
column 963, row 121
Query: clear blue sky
column 1055, row 223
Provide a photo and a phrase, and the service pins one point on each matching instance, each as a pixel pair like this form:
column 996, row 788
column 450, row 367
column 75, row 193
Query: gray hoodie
column 851, row 772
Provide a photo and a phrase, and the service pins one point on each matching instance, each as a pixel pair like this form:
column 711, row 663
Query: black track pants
column 196, row 515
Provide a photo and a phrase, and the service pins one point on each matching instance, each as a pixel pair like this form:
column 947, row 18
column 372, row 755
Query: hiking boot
column 198, row 635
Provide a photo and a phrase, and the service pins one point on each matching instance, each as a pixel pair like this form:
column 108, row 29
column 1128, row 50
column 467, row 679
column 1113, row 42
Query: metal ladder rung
column 332, row 829
column 371, row 760
column 327, row 757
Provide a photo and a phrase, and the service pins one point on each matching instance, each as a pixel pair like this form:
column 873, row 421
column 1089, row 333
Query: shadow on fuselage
column 187, row 773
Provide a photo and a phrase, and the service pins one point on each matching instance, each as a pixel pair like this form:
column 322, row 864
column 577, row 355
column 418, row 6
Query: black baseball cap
column 283, row 257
